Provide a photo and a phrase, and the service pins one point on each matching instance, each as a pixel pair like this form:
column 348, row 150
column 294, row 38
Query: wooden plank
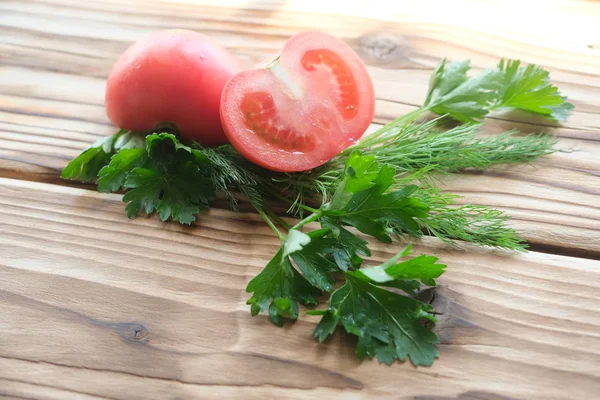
column 98, row 306
column 71, row 60
column 56, row 55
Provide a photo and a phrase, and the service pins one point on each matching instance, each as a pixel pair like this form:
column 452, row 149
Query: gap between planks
column 562, row 248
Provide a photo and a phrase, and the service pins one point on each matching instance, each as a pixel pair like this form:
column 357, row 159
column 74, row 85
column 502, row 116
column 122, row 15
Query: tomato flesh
column 263, row 120
column 303, row 108
column 348, row 96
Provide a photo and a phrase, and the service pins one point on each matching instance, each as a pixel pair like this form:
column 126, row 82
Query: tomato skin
column 302, row 109
column 172, row 77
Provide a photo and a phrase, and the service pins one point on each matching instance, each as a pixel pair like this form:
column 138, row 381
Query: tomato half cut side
column 302, row 109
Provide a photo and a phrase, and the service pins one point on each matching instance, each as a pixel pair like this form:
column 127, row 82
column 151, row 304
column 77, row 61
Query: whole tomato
column 172, row 78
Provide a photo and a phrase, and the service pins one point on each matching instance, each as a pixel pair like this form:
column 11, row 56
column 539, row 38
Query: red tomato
column 303, row 108
column 172, row 77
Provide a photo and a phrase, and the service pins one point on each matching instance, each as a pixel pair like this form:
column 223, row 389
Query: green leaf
column 464, row 99
column 146, row 186
column 165, row 150
column 278, row 289
column 350, row 248
column 529, row 88
column 130, row 140
column 86, row 166
column 388, row 325
column 170, row 183
column 313, row 262
column 309, row 252
column 371, row 212
column 360, row 171
column 409, row 286
column 169, row 193
column 468, row 99
column 445, row 79
column 185, row 193
column 112, row 176
column 371, row 209
column 316, row 268
column 423, row 268
column 368, row 226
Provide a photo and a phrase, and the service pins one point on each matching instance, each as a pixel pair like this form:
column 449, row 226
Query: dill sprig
column 424, row 149
column 477, row 224
column 232, row 174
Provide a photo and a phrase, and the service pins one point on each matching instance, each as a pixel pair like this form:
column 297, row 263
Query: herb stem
column 311, row 218
column 307, row 208
column 281, row 221
column 269, row 222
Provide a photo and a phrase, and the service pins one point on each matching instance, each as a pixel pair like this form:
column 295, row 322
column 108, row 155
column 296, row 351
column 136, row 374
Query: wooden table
column 94, row 305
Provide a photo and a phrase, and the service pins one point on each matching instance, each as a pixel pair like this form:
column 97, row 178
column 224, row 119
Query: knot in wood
column 136, row 332
column 383, row 48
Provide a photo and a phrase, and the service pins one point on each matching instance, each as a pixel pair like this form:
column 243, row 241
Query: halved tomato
column 299, row 111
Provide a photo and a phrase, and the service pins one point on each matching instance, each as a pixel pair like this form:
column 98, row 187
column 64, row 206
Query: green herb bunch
column 383, row 187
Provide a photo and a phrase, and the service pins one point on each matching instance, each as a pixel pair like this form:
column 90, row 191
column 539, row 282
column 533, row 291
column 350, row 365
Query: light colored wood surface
column 97, row 306
column 56, row 54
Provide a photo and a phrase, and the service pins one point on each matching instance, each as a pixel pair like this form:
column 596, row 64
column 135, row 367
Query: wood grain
column 98, row 306
column 55, row 55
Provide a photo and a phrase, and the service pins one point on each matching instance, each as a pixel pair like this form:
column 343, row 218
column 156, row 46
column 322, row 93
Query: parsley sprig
column 508, row 86
column 388, row 324
column 384, row 187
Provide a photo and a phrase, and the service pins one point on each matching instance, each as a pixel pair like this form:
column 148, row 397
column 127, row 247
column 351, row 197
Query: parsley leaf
column 146, row 185
column 112, row 176
column 313, row 261
column 529, row 88
column 423, row 268
column 171, row 181
column 278, row 289
column 468, row 99
column 168, row 193
column 408, row 286
column 388, row 325
column 464, row 99
column 85, row 166
column 362, row 200
column 129, row 140
column 349, row 249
